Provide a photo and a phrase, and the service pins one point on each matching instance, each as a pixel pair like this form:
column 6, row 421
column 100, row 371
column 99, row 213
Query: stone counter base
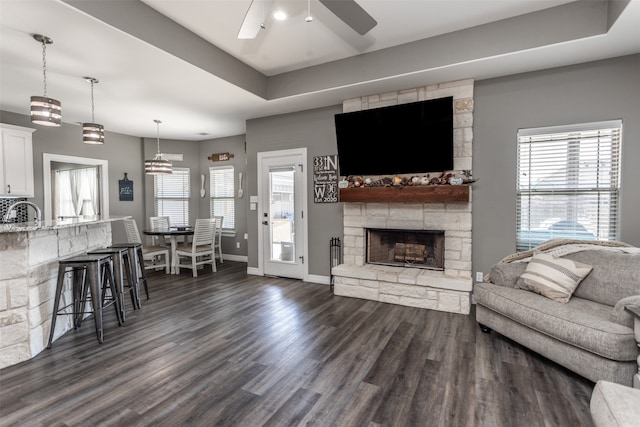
column 410, row 287
column 28, row 277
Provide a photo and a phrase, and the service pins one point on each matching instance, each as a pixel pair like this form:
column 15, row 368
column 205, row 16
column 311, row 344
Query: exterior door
column 282, row 213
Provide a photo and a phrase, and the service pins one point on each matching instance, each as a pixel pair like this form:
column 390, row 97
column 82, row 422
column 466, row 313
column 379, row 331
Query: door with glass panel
column 281, row 214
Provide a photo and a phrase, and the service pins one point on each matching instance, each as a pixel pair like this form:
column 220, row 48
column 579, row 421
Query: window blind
column 222, row 192
column 568, row 183
column 172, row 194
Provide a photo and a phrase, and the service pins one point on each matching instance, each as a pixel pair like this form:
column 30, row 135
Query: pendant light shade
column 44, row 110
column 158, row 165
column 92, row 133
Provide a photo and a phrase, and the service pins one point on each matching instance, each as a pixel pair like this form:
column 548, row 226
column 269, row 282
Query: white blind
column 568, row 183
column 222, row 191
column 171, row 194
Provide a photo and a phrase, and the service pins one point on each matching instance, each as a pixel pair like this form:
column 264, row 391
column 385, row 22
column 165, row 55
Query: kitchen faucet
column 5, row 218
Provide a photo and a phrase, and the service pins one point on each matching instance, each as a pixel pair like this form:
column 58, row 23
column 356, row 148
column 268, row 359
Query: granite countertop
column 56, row 224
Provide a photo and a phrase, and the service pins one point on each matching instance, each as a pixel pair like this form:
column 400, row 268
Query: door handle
column 265, row 223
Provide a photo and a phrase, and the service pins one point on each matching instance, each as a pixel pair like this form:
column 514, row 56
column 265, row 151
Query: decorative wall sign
column 125, row 187
column 325, row 179
column 219, row 157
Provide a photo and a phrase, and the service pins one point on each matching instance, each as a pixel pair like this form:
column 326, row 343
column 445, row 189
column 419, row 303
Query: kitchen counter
column 29, row 254
column 56, row 224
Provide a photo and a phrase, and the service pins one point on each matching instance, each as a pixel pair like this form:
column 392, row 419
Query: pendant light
column 44, row 110
column 92, row 133
column 309, row 18
column 158, row 165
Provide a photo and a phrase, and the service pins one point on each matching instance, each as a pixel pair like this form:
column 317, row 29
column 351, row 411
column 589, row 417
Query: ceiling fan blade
column 351, row 14
column 255, row 17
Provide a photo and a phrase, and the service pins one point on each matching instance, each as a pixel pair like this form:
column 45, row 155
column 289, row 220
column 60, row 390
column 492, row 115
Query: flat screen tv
column 411, row 138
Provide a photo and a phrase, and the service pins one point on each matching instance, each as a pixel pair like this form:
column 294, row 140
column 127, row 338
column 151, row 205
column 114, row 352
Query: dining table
column 172, row 233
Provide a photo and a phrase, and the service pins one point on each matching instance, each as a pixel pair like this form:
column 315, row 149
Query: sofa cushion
column 507, row 274
column 554, row 278
column 580, row 322
column 614, row 276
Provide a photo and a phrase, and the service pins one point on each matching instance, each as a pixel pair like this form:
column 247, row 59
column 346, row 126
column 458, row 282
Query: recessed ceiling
column 181, row 61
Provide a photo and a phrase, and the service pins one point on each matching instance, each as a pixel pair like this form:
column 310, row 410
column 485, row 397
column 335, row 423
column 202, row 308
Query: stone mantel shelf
column 414, row 194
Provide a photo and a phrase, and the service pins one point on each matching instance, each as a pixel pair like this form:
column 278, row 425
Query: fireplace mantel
column 414, row 194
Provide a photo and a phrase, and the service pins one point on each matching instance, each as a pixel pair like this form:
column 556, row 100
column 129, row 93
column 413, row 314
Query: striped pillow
column 554, row 278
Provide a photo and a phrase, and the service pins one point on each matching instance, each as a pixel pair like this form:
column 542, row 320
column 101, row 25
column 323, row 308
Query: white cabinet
column 16, row 161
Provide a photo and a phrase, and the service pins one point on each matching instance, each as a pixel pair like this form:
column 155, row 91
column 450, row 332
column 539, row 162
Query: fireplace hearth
column 406, row 248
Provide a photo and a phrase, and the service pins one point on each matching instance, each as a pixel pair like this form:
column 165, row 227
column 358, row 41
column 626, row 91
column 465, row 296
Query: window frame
column 185, row 198
column 582, row 163
column 229, row 197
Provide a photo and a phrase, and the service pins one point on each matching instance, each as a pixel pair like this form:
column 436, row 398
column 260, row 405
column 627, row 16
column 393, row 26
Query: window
column 222, row 193
column 568, row 183
column 171, row 193
column 76, row 192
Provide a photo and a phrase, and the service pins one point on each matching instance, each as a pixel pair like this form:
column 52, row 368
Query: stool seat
column 92, row 275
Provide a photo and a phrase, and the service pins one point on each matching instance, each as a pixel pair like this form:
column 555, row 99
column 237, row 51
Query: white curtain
column 77, row 192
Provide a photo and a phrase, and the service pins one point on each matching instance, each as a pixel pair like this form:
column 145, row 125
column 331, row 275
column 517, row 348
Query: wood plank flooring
column 230, row 349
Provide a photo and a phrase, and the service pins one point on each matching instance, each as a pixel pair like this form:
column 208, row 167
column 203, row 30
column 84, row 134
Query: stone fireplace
column 447, row 285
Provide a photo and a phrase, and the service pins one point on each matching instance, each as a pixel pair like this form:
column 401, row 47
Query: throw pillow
column 554, row 278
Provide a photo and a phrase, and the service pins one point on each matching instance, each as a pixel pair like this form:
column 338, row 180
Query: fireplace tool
column 335, row 257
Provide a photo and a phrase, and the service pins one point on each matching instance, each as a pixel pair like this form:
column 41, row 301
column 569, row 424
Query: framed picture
column 125, row 189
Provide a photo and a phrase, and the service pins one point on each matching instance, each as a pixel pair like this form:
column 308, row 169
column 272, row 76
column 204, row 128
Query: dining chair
column 201, row 251
column 217, row 244
column 159, row 223
column 155, row 255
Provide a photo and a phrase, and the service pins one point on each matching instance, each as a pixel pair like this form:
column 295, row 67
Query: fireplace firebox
column 406, row 248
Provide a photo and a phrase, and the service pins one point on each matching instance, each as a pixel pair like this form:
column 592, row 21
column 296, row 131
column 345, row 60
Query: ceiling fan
column 350, row 12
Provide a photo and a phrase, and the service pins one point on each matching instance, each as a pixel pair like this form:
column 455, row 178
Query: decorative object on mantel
column 92, row 133
column 220, row 157
column 125, row 189
column 467, row 177
column 158, row 165
column 325, row 179
column 431, row 179
column 44, row 110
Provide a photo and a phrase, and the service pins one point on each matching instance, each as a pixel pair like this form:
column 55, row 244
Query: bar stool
column 92, row 275
column 122, row 266
column 136, row 254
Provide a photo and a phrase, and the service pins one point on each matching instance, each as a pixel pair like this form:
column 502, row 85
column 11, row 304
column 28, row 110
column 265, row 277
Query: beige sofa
column 591, row 335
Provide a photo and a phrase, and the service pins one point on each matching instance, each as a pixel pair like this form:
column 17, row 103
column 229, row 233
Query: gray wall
column 588, row 92
column 596, row 91
column 236, row 146
column 315, row 130
column 127, row 154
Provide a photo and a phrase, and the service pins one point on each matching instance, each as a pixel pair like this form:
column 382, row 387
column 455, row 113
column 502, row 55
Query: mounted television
column 408, row 138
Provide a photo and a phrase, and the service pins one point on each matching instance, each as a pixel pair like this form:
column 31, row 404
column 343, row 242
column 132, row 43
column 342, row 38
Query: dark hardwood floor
column 230, row 349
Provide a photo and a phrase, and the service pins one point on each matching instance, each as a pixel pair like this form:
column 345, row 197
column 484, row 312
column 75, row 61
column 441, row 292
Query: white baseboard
column 314, row 278
column 254, row 271
column 231, row 257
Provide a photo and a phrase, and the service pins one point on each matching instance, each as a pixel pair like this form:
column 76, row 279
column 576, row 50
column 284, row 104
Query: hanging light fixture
column 309, row 18
column 44, row 110
column 158, row 165
column 92, row 133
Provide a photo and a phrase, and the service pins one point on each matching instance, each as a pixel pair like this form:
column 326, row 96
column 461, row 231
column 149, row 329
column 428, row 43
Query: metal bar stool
column 122, row 267
column 92, row 276
column 136, row 254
